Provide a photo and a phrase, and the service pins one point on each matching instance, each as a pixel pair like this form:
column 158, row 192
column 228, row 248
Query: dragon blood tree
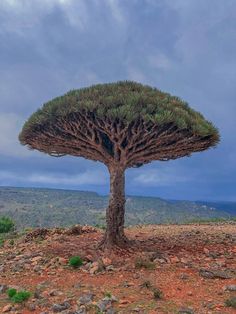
column 122, row 125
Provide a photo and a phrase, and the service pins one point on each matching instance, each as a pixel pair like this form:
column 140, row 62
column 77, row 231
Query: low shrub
column 143, row 263
column 1, row 242
column 75, row 261
column 18, row 297
column 108, row 294
column 21, row 296
column 231, row 302
column 146, row 284
column 11, row 292
column 6, row 224
column 157, row 294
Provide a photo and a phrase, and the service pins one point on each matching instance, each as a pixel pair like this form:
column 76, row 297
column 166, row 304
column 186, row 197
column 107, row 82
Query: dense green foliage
column 126, row 101
column 11, row 292
column 6, row 224
column 48, row 208
column 75, row 261
column 18, row 296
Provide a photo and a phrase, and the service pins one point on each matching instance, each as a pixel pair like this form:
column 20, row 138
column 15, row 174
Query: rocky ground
column 173, row 269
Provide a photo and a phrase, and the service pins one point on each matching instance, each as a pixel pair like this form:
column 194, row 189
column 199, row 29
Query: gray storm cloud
column 187, row 48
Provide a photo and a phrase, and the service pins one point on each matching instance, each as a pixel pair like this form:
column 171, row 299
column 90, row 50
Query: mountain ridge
column 45, row 207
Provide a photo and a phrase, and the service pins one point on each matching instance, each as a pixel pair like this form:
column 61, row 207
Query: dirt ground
column 171, row 269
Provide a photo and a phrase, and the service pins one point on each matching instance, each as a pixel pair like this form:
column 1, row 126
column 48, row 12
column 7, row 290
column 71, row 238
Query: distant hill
column 229, row 207
column 34, row 207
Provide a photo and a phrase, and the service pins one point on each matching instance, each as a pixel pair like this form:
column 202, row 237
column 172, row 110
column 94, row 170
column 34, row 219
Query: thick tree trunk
column 115, row 214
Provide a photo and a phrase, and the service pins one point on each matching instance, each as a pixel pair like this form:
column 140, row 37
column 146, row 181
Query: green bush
column 6, row 224
column 108, row 294
column 18, row 297
column 1, row 242
column 231, row 302
column 11, row 292
column 75, row 261
column 21, row 296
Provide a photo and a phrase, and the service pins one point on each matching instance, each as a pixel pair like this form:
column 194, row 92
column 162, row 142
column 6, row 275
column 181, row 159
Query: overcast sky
column 185, row 47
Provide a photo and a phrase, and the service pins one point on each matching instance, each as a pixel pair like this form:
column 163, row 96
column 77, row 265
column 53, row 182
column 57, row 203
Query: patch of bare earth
column 171, row 269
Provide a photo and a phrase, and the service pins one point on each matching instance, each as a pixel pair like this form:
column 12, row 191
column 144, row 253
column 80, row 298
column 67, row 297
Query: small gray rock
column 31, row 307
column 110, row 268
column 60, row 307
column 104, row 304
column 212, row 274
column 111, row 311
column 81, row 311
column 230, row 288
column 184, row 277
column 37, row 294
column 3, row 288
column 186, row 311
column 86, row 298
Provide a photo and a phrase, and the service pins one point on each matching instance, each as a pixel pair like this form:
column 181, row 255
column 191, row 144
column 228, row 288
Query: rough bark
column 115, row 213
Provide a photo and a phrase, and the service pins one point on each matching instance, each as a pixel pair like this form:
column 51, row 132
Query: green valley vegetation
column 6, row 224
column 34, row 207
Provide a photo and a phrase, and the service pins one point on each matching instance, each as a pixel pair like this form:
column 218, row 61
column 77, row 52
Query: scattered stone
column 74, row 230
column 86, row 298
column 36, row 259
column 128, row 284
column 185, row 261
column 80, row 311
column 96, row 267
column 186, row 311
column 106, row 261
column 205, row 250
column 230, row 288
column 212, row 274
column 60, row 307
column 174, row 259
column 62, row 261
column 112, row 298
column 31, row 307
column 158, row 257
column 7, row 308
column 104, row 304
column 110, row 268
column 184, row 276
column 37, row 294
column 54, row 293
column 37, row 233
column 111, row 311
column 3, row 288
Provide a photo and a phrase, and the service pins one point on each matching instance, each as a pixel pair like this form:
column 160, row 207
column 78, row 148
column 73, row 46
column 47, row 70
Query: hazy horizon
column 107, row 194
